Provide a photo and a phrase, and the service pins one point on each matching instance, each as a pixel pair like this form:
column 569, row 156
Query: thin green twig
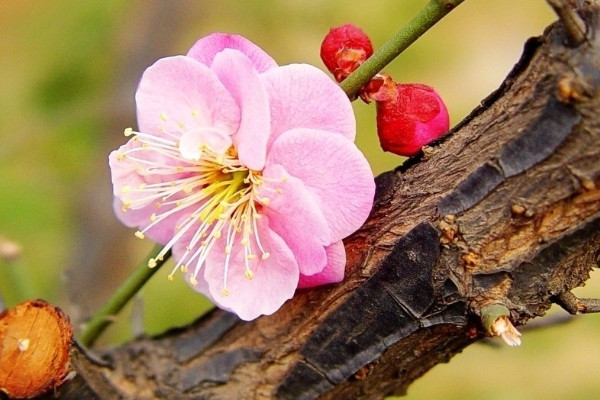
column 429, row 15
column 104, row 317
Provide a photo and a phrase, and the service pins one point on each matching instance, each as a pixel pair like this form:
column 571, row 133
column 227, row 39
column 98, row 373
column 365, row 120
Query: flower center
column 214, row 199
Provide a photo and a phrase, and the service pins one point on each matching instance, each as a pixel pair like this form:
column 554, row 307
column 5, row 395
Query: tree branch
column 503, row 210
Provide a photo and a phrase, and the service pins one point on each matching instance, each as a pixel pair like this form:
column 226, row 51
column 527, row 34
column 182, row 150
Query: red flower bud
column 415, row 117
column 344, row 49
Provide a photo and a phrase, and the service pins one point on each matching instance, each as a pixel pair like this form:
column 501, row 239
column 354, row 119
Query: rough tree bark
column 503, row 210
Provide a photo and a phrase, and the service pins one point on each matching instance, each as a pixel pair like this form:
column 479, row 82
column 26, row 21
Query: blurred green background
column 68, row 73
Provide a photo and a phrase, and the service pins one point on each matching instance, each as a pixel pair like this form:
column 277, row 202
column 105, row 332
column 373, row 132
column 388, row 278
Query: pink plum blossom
column 246, row 170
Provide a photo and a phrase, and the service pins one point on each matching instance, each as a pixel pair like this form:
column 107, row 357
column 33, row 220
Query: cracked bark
column 505, row 209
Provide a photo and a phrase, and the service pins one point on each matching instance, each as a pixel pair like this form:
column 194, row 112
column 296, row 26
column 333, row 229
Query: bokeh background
column 68, row 73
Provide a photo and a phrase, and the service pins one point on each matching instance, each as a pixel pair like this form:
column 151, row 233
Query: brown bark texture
column 505, row 209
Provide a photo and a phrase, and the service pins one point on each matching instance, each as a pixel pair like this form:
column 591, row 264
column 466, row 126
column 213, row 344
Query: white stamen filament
column 217, row 191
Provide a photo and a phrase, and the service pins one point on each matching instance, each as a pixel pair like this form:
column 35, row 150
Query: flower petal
column 303, row 96
column 130, row 169
column 179, row 93
column 334, row 170
column 205, row 49
column 333, row 271
column 124, row 173
column 296, row 217
column 275, row 279
column 194, row 142
column 238, row 75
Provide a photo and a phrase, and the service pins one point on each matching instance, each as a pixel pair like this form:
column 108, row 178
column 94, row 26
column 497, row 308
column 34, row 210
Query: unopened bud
column 344, row 49
column 415, row 117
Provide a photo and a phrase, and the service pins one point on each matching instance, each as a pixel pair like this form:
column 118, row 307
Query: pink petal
column 303, row 96
column 333, row 271
column 124, row 172
column 238, row 75
column 179, row 93
column 128, row 174
column 194, row 142
column 205, row 49
column 334, row 170
column 296, row 217
column 275, row 279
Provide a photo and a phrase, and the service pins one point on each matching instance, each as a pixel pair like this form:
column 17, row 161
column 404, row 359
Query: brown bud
column 35, row 339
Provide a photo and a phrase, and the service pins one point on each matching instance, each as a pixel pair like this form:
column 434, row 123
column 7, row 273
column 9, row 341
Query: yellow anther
column 250, row 257
column 265, row 201
column 227, row 249
column 126, row 189
column 141, row 186
column 128, row 132
column 152, row 263
column 184, row 268
column 181, row 124
column 139, row 235
column 279, row 190
column 126, row 205
column 153, row 217
column 225, row 292
column 265, row 255
column 170, row 277
column 195, row 113
column 249, row 274
column 193, row 280
column 120, row 157
column 216, row 234
column 163, row 116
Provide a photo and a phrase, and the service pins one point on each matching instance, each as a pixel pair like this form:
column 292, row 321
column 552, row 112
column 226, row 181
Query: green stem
column 429, row 15
column 104, row 317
